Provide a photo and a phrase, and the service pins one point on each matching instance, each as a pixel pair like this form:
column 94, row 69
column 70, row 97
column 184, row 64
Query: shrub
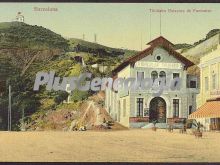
column 60, row 97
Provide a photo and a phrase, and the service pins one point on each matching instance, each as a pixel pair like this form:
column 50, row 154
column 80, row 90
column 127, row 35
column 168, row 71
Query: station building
column 139, row 107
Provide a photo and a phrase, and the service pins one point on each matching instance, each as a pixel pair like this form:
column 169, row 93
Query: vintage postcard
column 109, row 82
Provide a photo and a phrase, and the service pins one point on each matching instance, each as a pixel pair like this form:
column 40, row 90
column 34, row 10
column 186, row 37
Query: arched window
column 162, row 75
column 154, row 75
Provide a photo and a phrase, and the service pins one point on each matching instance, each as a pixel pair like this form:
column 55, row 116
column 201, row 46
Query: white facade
column 136, row 108
column 209, row 85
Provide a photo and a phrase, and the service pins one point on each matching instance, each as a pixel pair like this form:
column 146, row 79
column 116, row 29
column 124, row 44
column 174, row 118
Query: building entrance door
column 157, row 110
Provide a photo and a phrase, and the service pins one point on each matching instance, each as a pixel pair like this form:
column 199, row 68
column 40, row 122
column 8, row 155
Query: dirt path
column 131, row 145
column 96, row 109
column 90, row 104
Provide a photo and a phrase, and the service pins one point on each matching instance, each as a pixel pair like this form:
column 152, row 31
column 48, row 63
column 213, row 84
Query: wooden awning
column 210, row 109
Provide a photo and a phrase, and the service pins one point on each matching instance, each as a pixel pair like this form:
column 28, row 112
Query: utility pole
column 22, row 125
column 9, row 108
column 141, row 40
column 160, row 23
column 95, row 38
column 150, row 26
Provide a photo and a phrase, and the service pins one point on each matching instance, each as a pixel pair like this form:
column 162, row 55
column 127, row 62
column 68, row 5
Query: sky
column 120, row 25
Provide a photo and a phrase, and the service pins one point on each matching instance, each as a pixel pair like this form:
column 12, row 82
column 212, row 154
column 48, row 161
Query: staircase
column 163, row 125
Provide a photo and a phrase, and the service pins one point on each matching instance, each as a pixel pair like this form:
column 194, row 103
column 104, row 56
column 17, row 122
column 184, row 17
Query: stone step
column 163, row 125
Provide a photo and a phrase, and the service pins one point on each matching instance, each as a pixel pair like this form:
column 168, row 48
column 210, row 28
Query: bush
column 60, row 97
column 78, row 95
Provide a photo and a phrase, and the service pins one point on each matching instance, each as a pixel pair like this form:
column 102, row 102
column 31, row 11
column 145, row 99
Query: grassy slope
column 21, row 35
column 75, row 41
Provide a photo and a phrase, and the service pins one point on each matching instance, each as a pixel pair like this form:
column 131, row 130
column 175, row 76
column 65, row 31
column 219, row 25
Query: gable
column 163, row 54
column 159, row 42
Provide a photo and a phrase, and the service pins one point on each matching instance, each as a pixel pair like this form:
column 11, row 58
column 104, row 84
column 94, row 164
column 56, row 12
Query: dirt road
column 128, row 145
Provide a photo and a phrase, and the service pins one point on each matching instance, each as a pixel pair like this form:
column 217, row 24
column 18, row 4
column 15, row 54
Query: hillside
column 51, row 115
column 186, row 46
column 27, row 49
column 91, row 45
column 98, row 50
column 199, row 48
column 21, row 35
column 182, row 46
column 21, row 44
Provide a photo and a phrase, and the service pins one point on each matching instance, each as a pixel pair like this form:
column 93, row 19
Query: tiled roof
column 210, row 109
column 160, row 41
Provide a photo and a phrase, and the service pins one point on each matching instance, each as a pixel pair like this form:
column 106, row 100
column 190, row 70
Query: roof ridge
column 168, row 47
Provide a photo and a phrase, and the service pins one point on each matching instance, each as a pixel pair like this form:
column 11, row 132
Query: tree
column 78, row 95
column 212, row 33
column 60, row 97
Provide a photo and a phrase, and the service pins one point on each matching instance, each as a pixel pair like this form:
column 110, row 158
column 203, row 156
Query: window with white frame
column 140, row 77
column 140, row 107
column 162, row 75
column 214, row 81
column 154, row 75
column 190, row 109
column 192, row 84
column 176, row 75
column 206, row 83
column 175, row 107
column 124, row 107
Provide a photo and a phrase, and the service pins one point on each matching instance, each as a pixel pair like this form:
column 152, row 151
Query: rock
column 73, row 125
column 89, row 127
column 82, row 128
column 38, row 129
column 104, row 124
column 65, row 129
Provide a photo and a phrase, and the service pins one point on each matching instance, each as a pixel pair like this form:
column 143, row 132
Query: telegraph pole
column 22, row 125
column 150, row 26
column 95, row 38
column 160, row 23
column 141, row 40
column 9, row 108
